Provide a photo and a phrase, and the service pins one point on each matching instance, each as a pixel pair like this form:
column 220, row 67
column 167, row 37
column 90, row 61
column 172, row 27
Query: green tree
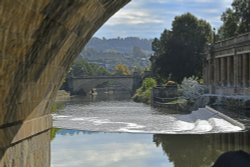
column 83, row 68
column 229, row 27
column 178, row 53
column 236, row 20
column 121, row 69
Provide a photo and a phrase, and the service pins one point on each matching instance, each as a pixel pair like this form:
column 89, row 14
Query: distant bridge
column 83, row 85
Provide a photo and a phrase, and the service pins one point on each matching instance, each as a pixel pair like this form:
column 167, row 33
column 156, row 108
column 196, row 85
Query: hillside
column 123, row 45
column 131, row 51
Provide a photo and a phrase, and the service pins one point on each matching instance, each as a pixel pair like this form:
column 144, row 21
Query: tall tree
column 179, row 52
column 236, row 20
column 230, row 24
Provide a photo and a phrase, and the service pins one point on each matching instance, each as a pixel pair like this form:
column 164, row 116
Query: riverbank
column 62, row 95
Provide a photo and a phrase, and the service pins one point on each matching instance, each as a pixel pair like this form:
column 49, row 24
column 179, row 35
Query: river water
column 113, row 131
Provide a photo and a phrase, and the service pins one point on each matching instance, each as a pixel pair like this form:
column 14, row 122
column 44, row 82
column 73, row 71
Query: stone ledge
column 16, row 133
column 32, row 152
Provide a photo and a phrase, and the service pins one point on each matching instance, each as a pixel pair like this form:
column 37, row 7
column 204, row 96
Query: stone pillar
column 211, row 73
column 216, row 71
column 27, row 144
column 248, row 64
column 245, row 70
column 220, row 71
column 223, row 71
column 236, row 70
column 229, row 71
column 240, row 69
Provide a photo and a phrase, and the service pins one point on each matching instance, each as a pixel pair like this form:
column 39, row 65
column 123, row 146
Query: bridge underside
column 39, row 41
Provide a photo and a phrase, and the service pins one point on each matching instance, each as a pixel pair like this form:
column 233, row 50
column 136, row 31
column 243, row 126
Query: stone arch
column 40, row 40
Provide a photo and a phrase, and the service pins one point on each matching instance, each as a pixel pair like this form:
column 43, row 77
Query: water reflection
column 83, row 148
column 200, row 150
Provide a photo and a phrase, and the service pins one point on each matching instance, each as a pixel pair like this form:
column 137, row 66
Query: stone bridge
column 39, row 41
column 85, row 84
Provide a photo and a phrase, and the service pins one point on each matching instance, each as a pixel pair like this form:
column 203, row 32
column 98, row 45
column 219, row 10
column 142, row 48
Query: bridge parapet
column 103, row 77
column 232, row 42
column 83, row 85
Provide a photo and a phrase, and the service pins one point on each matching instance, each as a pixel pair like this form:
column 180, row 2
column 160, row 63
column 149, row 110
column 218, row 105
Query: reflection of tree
column 200, row 150
column 53, row 132
column 56, row 131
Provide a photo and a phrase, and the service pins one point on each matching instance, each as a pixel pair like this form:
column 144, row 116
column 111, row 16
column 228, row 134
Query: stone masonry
column 39, row 41
column 227, row 66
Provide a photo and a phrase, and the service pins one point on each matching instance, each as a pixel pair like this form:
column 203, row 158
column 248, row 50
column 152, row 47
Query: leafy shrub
column 191, row 89
column 143, row 94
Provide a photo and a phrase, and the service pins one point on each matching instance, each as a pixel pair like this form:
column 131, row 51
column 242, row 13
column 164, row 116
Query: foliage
column 148, row 83
column 56, row 106
column 53, row 132
column 191, row 89
column 143, row 94
column 83, row 68
column 235, row 19
column 178, row 53
column 121, row 69
column 122, row 45
column 137, row 52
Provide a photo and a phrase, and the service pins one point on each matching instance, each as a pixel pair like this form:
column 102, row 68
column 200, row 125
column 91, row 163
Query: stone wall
column 39, row 41
column 33, row 152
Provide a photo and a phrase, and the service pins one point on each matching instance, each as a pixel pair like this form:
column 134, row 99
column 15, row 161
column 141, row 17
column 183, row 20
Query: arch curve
column 40, row 40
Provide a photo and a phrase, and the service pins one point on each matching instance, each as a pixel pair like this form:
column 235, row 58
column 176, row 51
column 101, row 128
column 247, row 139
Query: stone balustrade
column 227, row 66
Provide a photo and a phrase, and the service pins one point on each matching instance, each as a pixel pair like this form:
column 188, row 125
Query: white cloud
column 160, row 13
column 108, row 154
column 227, row 3
column 132, row 17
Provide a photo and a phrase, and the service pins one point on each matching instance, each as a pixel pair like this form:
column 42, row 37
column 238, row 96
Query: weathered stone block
column 33, row 152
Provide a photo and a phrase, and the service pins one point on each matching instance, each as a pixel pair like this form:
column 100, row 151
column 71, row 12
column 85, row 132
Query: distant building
column 227, row 66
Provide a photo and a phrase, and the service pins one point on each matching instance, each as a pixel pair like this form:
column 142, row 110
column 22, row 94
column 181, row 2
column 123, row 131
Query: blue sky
column 148, row 18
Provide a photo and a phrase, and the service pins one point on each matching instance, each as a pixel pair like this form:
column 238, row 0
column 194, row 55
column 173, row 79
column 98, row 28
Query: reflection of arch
column 200, row 150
